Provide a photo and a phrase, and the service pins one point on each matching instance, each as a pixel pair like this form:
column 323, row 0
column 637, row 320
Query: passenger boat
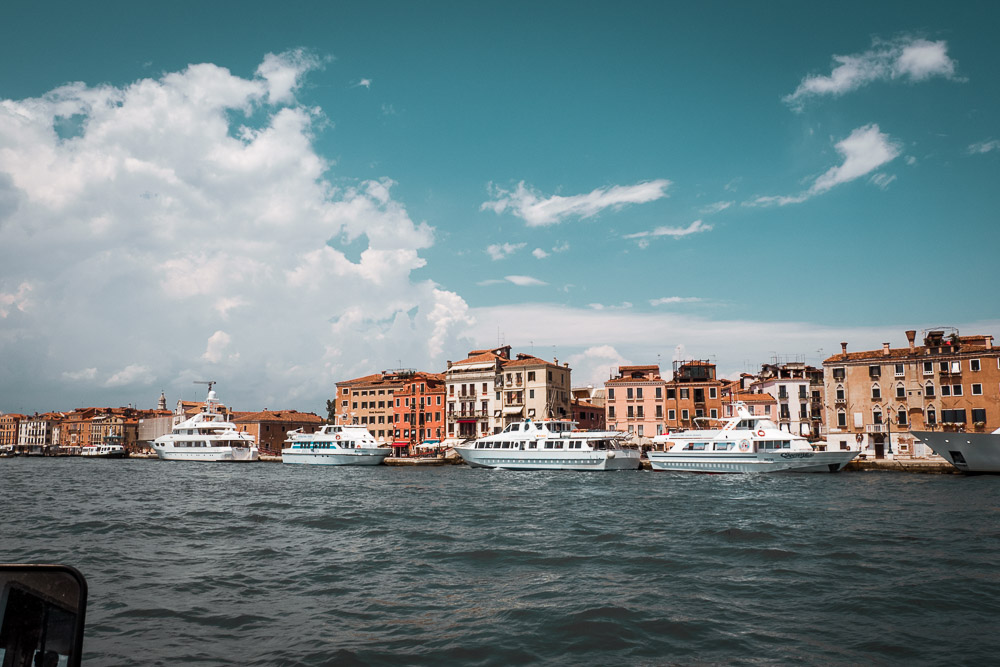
column 969, row 452
column 104, row 451
column 334, row 445
column 207, row 436
column 744, row 443
column 551, row 445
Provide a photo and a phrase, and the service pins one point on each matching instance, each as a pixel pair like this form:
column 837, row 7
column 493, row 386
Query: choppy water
column 265, row 564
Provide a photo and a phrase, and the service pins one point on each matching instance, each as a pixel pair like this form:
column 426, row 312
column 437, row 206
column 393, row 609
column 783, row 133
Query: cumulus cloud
column 195, row 204
column 595, row 365
column 905, row 58
column 865, row 150
column 524, row 281
column 134, row 374
column 498, row 251
column 984, row 146
column 82, row 375
column 539, row 253
column 364, row 83
column 717, row 207
column 536, row 209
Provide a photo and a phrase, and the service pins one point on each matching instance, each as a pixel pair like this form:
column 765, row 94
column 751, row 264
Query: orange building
column 419, row 412
column 634, row 401
column 8, row 429
column 875, row 397
column 693, row 392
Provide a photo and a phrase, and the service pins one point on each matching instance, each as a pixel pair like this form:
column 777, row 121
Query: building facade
column 693, row 392
column 875, row 398
column 9, row 429
column 369, row 401
column 798, row 390
column 474, row 393
column 419, row 412
column 634, row 401
column 532, row 388
column 270, row 427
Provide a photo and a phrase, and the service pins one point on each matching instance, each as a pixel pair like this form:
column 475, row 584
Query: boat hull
column 209, row 454
column 320, row 456
column 627, row 459
column 968, row 452
column 118, row 454
column 761, row 462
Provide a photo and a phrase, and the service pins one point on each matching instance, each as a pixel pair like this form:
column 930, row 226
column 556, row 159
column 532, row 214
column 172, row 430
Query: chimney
column 911, row 336
column 885, row 349
column 989, row 342
column 843, row 349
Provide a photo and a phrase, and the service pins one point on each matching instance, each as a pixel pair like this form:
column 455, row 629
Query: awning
column 429, row 445
column 513, row 411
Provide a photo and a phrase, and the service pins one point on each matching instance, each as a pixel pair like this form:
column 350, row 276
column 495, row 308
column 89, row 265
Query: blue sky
column 284, row 198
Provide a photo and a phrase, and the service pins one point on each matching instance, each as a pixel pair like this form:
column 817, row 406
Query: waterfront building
column 635, row 401
column 532, row 388
column 368, row 401
column 758, row 403
column 587, row 414
column 798, row 390
column 418, row 412
column 9, row 429
column 875, row 397
column 474, row 393
column 270, row 427
column 153, row 424
column 39, row 433
column 693, row 391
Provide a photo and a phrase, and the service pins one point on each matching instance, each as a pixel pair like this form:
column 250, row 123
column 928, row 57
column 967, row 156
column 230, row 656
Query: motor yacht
column 207, row 436
column 335, row 445
column 969, row 452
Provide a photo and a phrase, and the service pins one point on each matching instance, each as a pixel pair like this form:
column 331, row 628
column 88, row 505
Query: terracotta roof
column 648, row 367
column 477, row 358
column 528, row 360
column 918, row 352
column 361, row 380
column 748, row 397
column 655, row 378
column 276, row 416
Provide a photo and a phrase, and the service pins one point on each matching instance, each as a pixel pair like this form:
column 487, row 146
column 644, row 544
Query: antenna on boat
column 208, row 382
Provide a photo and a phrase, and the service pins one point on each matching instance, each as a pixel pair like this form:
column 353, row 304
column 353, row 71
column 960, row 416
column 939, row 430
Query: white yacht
column 207, row 436
column 744, row 443
column 104, row 451
column 969, row 452
column 334, row 445
column 551, row 445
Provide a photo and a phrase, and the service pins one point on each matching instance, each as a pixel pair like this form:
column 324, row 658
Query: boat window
column 505, row 445
column 515, row 427
column 695, row 446
column 531, row 445
column 548, row 445
column 723, row 446
column 559, row 444
column 767, row 423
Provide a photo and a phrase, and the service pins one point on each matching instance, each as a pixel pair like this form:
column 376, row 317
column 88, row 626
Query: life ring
column 760, row 433
column 744, row 445
column 859, row 438
column 337, row 436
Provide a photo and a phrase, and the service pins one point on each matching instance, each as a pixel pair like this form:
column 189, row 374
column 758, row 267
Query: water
column 264, row 564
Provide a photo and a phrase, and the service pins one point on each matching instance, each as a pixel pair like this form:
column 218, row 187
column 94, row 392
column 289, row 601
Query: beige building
column 875, row 397
column 473, row 395
column 368, row 401
column 532, row 388
column 798, row 391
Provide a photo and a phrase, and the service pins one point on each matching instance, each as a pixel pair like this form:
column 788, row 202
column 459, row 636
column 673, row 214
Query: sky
column 281, row 198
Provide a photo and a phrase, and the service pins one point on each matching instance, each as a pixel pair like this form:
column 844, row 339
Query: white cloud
column 717, row 207
column 865, row 150
column 536, row 210
column 624, row 305
column 984, row 146
column 524, row 281
column 904, row 58
column 595, row 365
column 882, row 180
column 539, row 253
column 674, row 232
column 18, row 299
column 195, row 203
column 134, row 374
column 216, row 347
column 364, row 83
column 82, row 375
column 498, row 251
column 674, row 299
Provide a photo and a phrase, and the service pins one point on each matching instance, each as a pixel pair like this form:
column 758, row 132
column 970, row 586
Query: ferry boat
column 551, row 445
column 745, row 443
column 207, row 436
column 969, row 452
column 104, row 451
column 334, row 445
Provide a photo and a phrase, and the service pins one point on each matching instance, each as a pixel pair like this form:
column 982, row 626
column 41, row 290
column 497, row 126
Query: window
column 630, row 413
column 956, row 390
column 531, row 393
column 628, row 393
column 874, row 371
column 639, row 413
column 659, row 412
column 974, row 365
column 611, row 394
column 638, row 392
column 684, row 394
column 876, row 391
column 712, row 393
column 659, row 392
column 901, row 417
column 956, row 367
column 767, row 409
column 944, row 366
column 979, row 415
column 715, row 413
column 684, row 415
column 671, row 415
column 611, row 412
column 841, row 418
column 877, row 416
column 946, row 390
column 977, row 390
column 900, row 391
column 531, row 376
column 931, row 416
column 928, row 368
column 840, row 392
column 639, row 430
column 929, row 389
column 345, row 392
column 672, row 393
column 485, row 388
column 839, row 374
column 898, row 370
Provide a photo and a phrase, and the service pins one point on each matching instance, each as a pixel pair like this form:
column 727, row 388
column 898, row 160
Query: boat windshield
column 766, row 423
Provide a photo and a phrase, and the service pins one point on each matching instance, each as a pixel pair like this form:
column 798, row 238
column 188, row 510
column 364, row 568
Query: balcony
column 875, row 428
column 468, row 414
